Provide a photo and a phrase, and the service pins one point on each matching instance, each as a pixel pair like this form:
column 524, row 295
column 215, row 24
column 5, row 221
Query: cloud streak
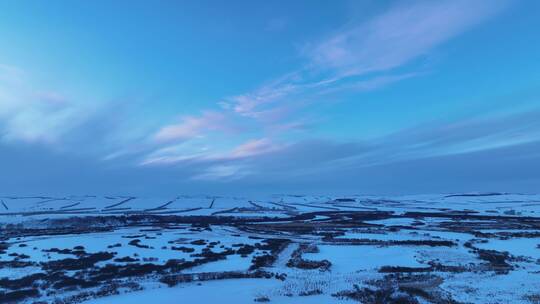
column 30, row 115
column 398, row 36
column 193, row 126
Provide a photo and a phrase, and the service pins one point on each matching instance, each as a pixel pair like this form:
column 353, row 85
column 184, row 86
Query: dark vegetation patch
column 533, row 298
column 18, row 295
column 265, row 260
column 137, row 243
column 112, row 271
column 393, row 269
column 245, row 250
column 170, row 269
column 3, row 247
column 464, row 221
column 351, row 241
column 497, row 260
column 80, row 225
column 18, row 256
column 173, row 280
column 80, row 263
column 297, row 261
column 126, row 259
column 91, row 277
column 77, row 251
column 21, row 283
column 329, row 234
column 262, row 299
column 400, row 288
column 106, row 290
column 68, row 282
column 183, row 249
column 376, row 296
column 23, row 256
column 207, row 253
column 434, row 267
column 506, row 235
column 54, row 228
column 17, row 264
column 312, row 292
column 199, row 242
column 274, row 246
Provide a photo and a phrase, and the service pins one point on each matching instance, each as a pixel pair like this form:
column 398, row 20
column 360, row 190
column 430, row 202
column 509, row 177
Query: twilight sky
column 241, row 97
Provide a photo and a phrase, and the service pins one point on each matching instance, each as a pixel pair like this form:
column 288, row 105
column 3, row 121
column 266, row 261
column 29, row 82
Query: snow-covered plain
column 440, row 248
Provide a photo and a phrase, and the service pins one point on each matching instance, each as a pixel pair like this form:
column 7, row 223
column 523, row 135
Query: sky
column 245, row 97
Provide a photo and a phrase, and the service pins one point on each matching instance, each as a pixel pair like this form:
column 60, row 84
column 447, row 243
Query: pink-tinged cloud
column 193, row 126
column 250, row 104
column 253, row 148
column 180, row 154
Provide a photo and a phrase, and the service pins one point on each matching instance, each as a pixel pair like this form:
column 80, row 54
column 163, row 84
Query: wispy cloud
column 396, row 37
column 32, row 112
column 185, row 152
column 223, row 173
column 253, row 148
column 27, row 114
column 443, row 138
column 193, row 126
column 354, row 57
column 262, row 100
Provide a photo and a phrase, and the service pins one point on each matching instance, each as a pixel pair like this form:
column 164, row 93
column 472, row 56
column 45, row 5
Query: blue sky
column 269, row 96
